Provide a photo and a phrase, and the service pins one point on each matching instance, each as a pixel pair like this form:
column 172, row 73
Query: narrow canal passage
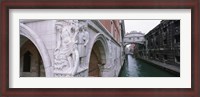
column 139, row 68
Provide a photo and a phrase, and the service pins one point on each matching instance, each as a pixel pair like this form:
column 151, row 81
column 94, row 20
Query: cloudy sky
column 140, row 25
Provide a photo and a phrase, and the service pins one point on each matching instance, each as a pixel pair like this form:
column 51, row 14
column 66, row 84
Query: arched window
column 27, row 62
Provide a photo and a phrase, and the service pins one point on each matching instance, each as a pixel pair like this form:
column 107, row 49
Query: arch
column 37, row 41
column 31, row 64
column 99, row 42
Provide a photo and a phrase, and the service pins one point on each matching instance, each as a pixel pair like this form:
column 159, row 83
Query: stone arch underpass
column 35, row 41
column 98, row 56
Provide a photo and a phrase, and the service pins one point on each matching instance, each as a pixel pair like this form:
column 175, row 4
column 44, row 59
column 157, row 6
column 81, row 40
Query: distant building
column 162, row 43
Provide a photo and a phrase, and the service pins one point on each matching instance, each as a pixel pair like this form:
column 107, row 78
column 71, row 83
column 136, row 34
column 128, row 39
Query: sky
column 140, row 25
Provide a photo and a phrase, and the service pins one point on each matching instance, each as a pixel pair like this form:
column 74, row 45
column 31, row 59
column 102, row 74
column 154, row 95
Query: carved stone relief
column 66, row 56
column 71, row 47
column 83, row 39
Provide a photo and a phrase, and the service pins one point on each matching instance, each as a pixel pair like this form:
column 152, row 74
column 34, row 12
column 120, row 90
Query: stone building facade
column 162, row 43
column 70, row 48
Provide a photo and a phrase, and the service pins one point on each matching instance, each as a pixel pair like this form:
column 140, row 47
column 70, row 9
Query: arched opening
column 97, row 59
column 31, row 64
column 39, row 44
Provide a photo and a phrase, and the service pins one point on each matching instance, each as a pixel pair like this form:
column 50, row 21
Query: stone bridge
column 134, row 37
column 68, row 48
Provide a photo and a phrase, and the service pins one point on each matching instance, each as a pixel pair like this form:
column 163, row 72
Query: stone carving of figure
column 83, row 39
column 66, row 57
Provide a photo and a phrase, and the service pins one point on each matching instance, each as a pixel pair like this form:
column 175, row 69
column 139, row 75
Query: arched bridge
column 134, row 37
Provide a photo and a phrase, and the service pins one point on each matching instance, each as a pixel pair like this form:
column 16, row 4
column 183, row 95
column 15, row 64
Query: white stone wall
column 46, row 31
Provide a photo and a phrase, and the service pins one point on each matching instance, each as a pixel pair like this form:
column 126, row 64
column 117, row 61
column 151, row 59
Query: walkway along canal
column 138, row 68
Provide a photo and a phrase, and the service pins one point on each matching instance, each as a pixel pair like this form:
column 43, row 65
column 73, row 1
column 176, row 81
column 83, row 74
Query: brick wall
column 114, row 28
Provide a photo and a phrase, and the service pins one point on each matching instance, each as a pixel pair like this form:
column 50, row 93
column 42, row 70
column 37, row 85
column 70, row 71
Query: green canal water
column 139, row 68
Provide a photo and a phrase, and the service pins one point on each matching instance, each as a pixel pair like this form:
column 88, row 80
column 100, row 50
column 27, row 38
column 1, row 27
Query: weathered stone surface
column 69, row 45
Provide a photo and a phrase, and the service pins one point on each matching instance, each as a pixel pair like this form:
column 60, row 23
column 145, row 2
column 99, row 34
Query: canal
column 138, row 68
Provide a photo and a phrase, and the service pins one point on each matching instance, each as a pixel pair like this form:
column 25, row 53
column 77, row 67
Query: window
column 165, row 41
column 156, row 56
column 177, row 38
column 112, row 28
column 157, row 43
column 164, row 35
column 27, row 62
column 165, row 29
column 156, row 34
column 177, row 59
column 165, row 57
column 151, row 55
